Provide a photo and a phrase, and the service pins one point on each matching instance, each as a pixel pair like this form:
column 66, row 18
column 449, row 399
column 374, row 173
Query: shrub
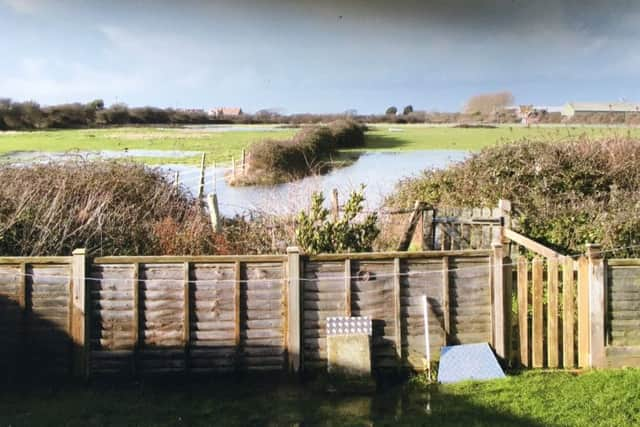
column 309, row 151
column 564, row 193
column 347, row 133
column 316, row 233
column 108, row 208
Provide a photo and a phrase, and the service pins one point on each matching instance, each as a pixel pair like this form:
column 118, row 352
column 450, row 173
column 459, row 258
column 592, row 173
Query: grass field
column 220, row 146
column 603, row 398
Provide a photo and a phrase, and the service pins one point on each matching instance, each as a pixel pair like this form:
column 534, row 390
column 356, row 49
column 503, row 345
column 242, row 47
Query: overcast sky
column 318, row 56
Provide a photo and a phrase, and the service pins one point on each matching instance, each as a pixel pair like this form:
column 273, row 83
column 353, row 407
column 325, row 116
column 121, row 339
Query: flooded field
column 379, row 172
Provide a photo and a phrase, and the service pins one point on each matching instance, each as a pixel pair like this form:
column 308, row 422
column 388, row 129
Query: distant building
column 225, row 112
column 577, row 108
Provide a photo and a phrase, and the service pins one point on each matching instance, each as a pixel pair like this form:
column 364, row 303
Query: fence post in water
column 294, row 297
column 79, row 314
column 176, row 180
column 212, row 201
column 596, row 306
column 202, row 169
column 244, row 159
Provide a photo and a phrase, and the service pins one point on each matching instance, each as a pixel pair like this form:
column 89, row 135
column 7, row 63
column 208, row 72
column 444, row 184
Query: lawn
column 220, row 146
column 531, row 399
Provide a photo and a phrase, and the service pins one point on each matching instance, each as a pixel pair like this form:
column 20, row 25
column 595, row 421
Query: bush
column 347, row 133
column 564, row 193
column 316, row 233
column 309, row 151
column 108, row 208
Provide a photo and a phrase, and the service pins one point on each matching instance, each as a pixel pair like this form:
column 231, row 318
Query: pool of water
column 25, row 157
column 380, row 172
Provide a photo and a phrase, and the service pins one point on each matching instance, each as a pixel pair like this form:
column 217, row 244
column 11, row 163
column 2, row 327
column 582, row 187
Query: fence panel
column 546, row 307
column 35, row 316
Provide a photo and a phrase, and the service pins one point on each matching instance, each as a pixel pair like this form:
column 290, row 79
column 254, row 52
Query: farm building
column 582, row 108
column 225, row 112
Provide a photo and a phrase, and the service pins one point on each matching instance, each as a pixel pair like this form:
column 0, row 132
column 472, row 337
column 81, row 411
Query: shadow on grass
column 241, row 401
column 384, row 142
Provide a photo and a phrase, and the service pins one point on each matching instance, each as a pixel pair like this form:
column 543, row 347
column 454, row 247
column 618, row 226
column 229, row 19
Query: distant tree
column 96, row 104
column 407, row 110
column 487, row 103
column 391, row 111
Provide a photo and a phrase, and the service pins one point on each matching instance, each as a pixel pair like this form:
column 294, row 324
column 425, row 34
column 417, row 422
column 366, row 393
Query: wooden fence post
column 597, row 307
column 428, row 230
column 79, row 315
column 294, row 297
column 335, row 207
column 505, row 212
column 214, row 213
column 500, row 314
column 583, row 312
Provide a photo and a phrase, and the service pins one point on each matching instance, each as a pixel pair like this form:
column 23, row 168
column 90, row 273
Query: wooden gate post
column 294, row 315
column 597, row 307
column 501, row 278
column 79, row 315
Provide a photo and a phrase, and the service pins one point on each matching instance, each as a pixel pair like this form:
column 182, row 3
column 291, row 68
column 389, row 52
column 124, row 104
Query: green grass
column 413, row 137
column 604, row 398
column 220, row 146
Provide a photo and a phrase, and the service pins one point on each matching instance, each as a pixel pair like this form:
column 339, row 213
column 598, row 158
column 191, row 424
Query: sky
column 318, row 56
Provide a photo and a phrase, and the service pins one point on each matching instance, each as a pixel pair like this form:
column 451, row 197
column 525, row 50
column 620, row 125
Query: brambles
column 109, row 208
column 565, row 192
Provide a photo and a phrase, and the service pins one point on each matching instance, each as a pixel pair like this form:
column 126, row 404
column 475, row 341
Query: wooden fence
column 135, row 316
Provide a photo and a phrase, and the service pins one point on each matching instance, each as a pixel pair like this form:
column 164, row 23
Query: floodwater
column 379, row 172
column 25, row 157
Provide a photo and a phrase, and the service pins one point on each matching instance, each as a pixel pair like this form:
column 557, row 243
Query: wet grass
column 531, row 399
column 415, row 137
column 220, row 146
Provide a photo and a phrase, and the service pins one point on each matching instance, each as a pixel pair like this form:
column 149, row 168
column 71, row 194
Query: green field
column 220, row 146
column 599, row 398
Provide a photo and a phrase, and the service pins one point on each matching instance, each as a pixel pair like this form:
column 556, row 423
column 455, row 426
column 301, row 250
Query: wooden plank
column 523, row 310
column 583, row 312
column 498, row 299
column 597, row 357
column 537, row 360
column 171, row 259
column 138, row 338
column 347, row 287
column 568, row 315
column 186, row 316
column 418, row 207
column 376, row 256
column 446, row 310
column 295, row 310
column 626, row 262
column 36, row 260
column 552, row 313
column 397, row 319
column 428, row 230
column 532, row 245
column 237, row 273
